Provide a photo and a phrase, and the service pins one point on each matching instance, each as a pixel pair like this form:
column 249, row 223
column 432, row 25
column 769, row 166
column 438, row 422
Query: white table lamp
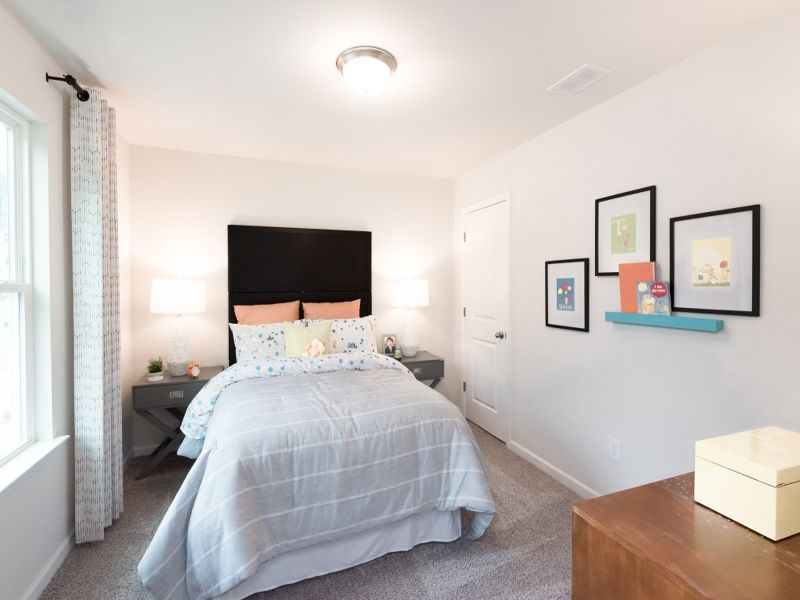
column 178, row 297
column 408, row 294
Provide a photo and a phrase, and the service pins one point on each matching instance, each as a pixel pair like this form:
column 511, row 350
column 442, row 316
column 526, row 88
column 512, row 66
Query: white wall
column 182, row 202
column 719, row 130
column 36, row 514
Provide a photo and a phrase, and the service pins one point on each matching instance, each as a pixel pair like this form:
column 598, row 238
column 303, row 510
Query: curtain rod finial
column 83, row 94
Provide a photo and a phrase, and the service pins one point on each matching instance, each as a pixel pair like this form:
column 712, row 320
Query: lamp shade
column 177, row 297
column 410, row 293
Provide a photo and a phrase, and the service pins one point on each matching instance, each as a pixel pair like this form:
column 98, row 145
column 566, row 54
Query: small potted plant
column 155, row 369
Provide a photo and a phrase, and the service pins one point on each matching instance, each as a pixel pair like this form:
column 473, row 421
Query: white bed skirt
column 356, row 549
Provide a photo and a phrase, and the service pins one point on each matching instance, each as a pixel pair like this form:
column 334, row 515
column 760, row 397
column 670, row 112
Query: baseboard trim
column 144, row 450
column 568, row 480
column 49, row 570
column 127, row 458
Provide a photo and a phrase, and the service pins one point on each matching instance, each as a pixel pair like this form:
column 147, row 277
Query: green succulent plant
column 155, row 365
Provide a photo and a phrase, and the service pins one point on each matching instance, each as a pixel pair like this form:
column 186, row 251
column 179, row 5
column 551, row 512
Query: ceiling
column 258, row 79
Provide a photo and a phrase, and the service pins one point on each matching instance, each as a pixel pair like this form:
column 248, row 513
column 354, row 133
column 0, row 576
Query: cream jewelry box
column 752, row 477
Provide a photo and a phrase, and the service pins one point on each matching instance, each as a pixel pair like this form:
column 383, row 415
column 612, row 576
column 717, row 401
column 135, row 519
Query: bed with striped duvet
column 320, row 452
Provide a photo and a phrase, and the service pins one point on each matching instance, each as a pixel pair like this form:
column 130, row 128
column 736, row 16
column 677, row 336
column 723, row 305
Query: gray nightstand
column 425, row 367
column 172, row 395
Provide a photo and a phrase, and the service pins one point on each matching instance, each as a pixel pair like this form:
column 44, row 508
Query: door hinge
column 465, row 311
column 464, row 385
column 465, row 236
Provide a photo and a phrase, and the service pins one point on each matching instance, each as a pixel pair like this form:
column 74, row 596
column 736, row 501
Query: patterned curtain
column 95, row 280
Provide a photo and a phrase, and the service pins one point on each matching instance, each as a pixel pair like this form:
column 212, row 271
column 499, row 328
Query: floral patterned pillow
column 351, row 335
column 259, row 342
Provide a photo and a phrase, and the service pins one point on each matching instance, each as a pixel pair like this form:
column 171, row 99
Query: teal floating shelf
column 672, row 322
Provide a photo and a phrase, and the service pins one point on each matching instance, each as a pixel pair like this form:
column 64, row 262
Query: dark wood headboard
column 279, row 264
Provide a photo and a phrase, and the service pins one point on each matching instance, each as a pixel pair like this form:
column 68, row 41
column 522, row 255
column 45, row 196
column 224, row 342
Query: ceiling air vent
column 578, row 80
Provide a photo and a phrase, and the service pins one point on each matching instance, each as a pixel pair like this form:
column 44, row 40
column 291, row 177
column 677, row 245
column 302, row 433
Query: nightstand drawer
column 427, row 369
column 163, row 396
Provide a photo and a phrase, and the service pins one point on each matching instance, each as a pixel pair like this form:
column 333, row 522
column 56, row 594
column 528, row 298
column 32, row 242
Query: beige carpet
column 525, row 554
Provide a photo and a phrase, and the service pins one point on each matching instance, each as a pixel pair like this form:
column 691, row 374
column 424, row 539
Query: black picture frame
column 651, row 228
column 547, row 264
column 755, row 303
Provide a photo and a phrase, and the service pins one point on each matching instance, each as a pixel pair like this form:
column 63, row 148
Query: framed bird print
column 566, row 285
column 715, row 261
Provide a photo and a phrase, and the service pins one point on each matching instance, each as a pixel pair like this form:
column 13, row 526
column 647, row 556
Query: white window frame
column 21, row 282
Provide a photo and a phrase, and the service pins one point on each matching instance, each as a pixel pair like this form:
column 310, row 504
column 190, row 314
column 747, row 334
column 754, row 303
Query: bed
column 308, row 466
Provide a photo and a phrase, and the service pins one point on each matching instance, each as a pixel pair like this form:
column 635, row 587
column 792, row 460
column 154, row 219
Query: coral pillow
column 299, row 337
column 261, row 314
column 332, row 310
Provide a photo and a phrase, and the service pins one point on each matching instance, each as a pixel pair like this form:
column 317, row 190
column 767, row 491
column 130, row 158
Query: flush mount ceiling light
column 366, row 69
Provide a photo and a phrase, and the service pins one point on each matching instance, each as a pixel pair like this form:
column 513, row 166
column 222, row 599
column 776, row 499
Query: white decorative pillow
column 351, row 335
column 259, row 342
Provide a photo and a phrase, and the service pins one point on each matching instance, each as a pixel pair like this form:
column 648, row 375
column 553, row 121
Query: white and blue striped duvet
column 291, row 461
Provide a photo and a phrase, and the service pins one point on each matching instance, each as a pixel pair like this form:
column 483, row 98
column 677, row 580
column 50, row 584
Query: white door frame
column 470, row 208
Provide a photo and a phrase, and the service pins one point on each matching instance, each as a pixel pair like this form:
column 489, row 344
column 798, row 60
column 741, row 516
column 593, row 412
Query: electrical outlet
column 613, row 448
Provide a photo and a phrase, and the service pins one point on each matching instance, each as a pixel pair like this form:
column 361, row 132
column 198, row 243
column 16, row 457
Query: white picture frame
column 384, row 343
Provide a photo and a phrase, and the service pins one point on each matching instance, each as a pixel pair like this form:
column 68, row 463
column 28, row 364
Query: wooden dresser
column 655, row 543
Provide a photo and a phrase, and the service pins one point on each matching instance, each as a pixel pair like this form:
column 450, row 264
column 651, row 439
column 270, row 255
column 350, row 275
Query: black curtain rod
column 83, row 94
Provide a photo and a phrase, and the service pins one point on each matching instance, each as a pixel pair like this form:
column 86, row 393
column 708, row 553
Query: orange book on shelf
column 629, row 274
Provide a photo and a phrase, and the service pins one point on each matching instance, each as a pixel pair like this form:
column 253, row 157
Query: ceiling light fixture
column 366, row 69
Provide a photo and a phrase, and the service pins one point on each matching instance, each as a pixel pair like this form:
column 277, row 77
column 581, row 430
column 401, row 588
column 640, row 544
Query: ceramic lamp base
column 409, row 342
column 177, row 369
column 409, row 351
column 178, row 354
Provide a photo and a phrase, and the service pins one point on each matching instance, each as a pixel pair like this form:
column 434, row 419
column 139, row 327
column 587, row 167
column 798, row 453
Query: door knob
column 500, row 335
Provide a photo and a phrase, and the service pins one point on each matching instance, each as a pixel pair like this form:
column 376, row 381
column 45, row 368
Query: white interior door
column 486, row 351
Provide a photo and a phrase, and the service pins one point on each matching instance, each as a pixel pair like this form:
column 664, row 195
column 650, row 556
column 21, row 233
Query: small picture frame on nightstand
column 389, row 344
